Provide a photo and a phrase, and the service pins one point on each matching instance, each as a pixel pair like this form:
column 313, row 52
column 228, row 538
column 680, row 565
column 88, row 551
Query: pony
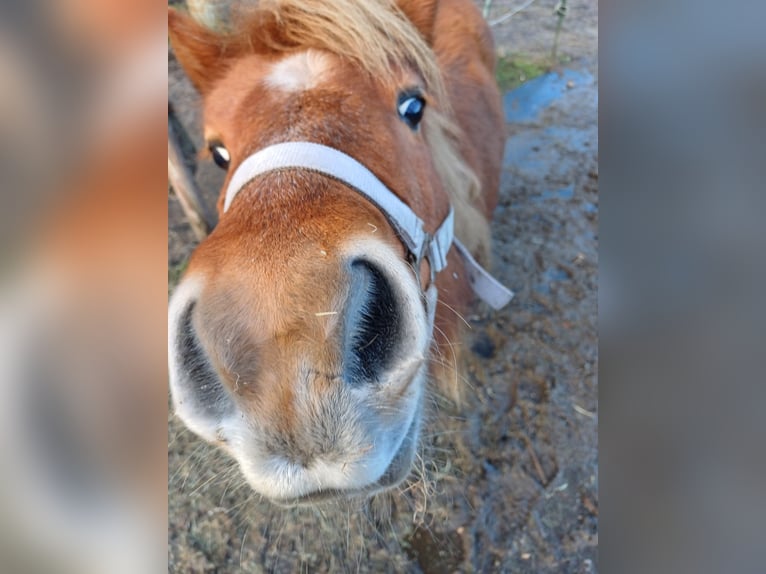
column 358, row 137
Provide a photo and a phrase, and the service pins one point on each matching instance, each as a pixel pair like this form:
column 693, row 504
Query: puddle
column 563, row 193
column 528, row 100
column 549, row 276
column 589, row 207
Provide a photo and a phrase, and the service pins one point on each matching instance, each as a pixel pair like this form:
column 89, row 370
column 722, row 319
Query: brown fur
column 381, row 39
column 273, row 270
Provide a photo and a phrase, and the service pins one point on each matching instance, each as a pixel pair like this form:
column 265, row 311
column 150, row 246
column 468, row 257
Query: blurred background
column 681, row 283
column 83, row 231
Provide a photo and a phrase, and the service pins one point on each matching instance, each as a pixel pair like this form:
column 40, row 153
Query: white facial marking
column 298, row 72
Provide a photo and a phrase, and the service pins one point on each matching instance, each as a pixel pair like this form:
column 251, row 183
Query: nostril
column 200, row 397
column 373, row 323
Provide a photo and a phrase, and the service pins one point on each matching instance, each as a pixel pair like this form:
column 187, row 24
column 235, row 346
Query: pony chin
column 288, row 485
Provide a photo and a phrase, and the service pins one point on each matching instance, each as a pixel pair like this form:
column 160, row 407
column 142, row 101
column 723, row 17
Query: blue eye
column 411, row 109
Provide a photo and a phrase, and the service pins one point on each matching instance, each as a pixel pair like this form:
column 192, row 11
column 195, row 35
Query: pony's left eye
column 220, row 155
column 411, row 108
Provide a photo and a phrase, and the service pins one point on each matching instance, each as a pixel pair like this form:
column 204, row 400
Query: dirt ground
column 509, row 483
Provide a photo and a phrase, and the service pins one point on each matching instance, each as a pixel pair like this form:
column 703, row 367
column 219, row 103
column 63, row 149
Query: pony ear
column 199, row 50
column 422, row 13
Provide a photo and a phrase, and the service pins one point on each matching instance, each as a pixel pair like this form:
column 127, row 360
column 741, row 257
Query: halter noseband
column 408, row 226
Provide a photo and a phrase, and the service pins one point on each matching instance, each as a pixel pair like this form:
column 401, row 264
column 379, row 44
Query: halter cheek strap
column 408, row 226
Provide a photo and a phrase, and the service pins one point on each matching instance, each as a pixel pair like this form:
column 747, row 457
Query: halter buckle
column 425, row 253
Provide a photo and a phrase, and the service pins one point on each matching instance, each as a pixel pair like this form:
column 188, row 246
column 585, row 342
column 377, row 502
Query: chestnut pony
column 302, row 334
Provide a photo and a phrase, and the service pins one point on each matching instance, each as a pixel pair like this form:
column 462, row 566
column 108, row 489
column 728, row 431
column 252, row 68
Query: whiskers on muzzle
column 316, row 417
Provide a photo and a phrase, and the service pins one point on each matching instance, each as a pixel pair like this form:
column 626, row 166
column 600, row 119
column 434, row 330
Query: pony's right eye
column 220, row 155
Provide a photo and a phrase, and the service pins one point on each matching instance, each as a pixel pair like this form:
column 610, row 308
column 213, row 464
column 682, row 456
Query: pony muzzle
column 306, row 430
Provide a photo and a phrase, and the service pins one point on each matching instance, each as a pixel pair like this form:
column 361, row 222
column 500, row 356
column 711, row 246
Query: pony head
column 300, row 335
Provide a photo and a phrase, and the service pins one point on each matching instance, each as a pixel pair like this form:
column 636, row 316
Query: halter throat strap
column 408, row 226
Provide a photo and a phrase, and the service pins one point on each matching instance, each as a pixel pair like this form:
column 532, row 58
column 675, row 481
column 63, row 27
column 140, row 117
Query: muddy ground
column 510, row 482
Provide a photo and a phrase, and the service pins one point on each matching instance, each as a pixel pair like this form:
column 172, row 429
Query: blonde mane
column 461, row 184
column 379, row 38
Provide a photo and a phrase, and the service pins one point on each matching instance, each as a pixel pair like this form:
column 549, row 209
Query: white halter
column 408, row 226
